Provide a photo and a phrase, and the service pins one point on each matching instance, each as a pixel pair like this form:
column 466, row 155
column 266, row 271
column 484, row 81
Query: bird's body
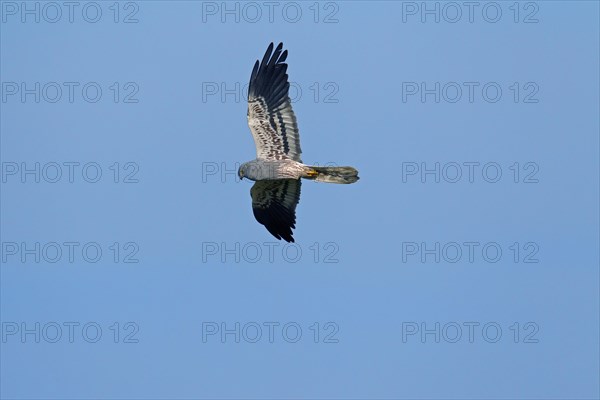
column 278, row 167
column 259, row 170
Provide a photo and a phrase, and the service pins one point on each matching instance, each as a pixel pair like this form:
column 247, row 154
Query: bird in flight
column 278, row 168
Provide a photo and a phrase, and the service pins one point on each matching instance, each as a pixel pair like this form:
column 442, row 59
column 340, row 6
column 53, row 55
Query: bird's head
column 241, row 171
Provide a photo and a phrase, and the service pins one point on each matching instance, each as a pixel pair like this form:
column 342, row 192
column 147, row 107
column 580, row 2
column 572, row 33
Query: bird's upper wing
column 274, row 205
column 270, row 116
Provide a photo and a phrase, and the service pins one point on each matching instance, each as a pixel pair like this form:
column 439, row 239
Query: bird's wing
column 274, row 205
column 270, row 115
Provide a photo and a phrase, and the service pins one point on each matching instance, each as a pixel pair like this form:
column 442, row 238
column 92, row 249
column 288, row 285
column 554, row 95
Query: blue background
column 175, row 133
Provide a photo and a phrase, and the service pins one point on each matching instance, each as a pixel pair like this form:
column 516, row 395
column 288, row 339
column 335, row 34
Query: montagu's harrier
column 278, row 168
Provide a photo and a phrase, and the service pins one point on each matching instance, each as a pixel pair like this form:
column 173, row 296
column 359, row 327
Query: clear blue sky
column 517, row 94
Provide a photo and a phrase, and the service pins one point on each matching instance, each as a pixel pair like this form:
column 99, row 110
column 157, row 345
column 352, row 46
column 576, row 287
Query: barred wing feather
column 270, row 115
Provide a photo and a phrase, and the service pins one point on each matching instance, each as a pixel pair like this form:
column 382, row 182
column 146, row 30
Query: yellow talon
column 312, row 173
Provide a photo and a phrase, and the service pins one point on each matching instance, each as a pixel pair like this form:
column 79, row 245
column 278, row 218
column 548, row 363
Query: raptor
column 278, row 168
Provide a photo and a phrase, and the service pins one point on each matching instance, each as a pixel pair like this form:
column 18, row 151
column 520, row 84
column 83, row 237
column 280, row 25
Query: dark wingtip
column 269, row 77
column 287, row 237
column 283, row 56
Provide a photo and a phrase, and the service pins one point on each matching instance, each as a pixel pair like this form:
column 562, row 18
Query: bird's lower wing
column 274, row 205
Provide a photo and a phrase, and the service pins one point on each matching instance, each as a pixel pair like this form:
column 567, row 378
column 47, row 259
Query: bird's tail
column 332, row 174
